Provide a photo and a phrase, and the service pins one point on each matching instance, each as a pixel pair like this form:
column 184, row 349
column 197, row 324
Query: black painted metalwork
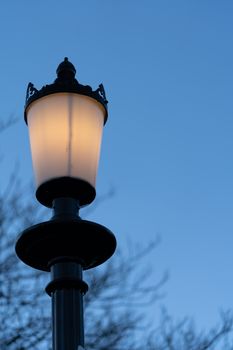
column 65, row 186
column 66, row 82
column 68, row 235
column 65, row 245
column 66, row 290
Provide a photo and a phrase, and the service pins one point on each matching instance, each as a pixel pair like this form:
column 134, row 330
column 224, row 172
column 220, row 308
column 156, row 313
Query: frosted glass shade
column 65, row 136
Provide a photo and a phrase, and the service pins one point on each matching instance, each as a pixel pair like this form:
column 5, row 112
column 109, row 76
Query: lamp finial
column 66, row 69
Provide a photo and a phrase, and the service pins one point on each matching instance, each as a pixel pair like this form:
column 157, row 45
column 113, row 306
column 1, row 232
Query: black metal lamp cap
column 66, row 82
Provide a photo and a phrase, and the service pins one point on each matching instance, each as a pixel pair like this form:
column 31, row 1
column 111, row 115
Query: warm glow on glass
column 65, row 136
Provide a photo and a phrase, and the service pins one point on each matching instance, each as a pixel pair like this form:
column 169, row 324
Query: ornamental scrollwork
column 101, row 92
column 31, row 90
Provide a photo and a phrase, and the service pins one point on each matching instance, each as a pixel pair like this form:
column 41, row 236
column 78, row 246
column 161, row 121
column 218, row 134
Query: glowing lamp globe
column 65, row 121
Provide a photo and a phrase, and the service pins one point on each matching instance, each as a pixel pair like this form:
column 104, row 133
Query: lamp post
column 65, row 121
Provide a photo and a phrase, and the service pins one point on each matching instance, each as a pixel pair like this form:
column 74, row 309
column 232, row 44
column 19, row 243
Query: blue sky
column 167, row 67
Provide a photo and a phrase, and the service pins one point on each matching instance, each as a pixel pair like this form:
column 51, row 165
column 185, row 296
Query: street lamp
column 65, row 121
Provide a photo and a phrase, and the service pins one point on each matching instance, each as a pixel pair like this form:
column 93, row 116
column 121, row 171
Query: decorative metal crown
column 66, row 82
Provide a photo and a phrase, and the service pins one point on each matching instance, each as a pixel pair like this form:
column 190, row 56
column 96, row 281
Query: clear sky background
column 167, row 67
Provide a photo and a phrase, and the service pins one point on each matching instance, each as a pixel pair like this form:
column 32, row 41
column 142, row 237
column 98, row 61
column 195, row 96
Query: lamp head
column 65, row 121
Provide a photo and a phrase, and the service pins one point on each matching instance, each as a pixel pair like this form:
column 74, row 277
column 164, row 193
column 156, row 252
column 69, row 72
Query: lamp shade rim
column 39, row 95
